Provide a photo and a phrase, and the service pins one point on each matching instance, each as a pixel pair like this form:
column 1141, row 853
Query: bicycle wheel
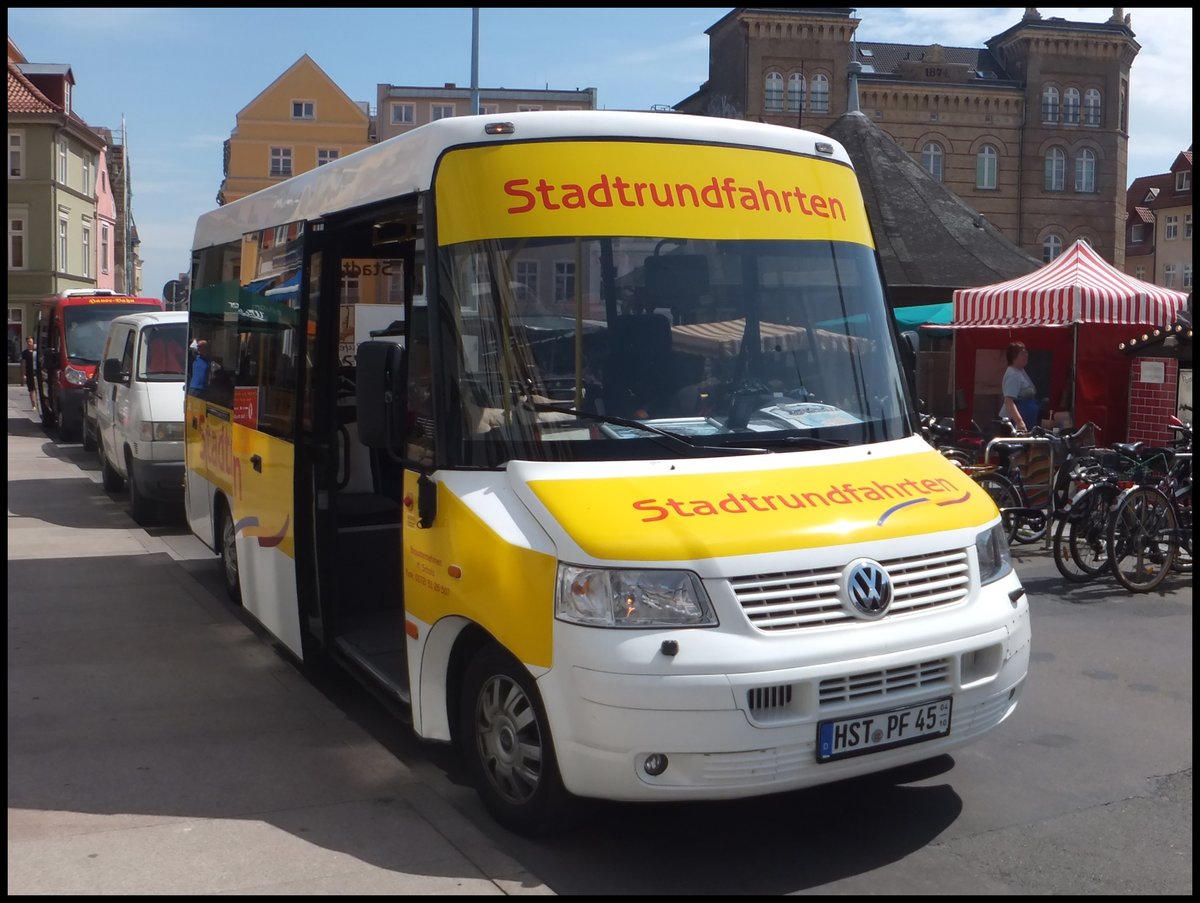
column 1088, row 539
column 1004, row 494
column 1142, row 538
column 1067, row 566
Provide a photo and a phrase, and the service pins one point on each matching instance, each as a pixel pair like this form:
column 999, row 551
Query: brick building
column 1030, row 130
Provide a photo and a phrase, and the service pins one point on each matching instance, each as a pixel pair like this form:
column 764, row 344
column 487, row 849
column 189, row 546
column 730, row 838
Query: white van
column 138, row 409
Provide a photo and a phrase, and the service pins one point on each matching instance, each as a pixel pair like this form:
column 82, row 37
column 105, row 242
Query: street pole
column 475, row 61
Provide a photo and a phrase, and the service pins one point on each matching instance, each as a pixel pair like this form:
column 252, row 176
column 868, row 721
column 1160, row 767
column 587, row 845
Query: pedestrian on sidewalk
column 28, row 363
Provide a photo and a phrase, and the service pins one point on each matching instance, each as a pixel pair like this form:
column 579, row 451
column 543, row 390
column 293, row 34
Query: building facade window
column 1170, row 274
column 489, row 109
column 63, row 231
column 1171, row 228
column 1091, row 108
column 62, row 162
column 404, row 114
column 933, row 159
column 16, row 155
column 526, row 272
column 820, row 93
column 441, row 111
column 1056, row 169
column 1051, row 248
column 529, row 107
column 1137, row 234
column 326, row 155
column 1050, row 105
column 87, row 176
column 16, row 238
column 304, row 109
column 564, row 280
column 104, row 247
column 795, row 92
column 281, row 161
column 1085, row 172
column 1183, row 180
column 1187, row 225
column 87, row 251
column 987, row 164
column 773, row 93
column 1139, row 273
column 1071, row 106
column 1187, row 276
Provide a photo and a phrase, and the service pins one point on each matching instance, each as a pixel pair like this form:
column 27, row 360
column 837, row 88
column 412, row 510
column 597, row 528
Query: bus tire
column 505, row 740
column 227, row 547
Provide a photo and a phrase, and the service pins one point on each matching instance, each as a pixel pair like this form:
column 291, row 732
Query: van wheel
column 505, row 739
column 227, row 536
column 141, row 507
column 109, row 477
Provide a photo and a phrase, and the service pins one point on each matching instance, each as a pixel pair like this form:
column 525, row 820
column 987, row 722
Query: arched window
column 986, row 166
column 820, row 94
column 1050, row 105
column 795, row 92
column 932, row 159
column 1071, row 106
column 773, row 98
column 1051, row 248
column 1085, row 172
column 1056, row 169
column 1091, row 108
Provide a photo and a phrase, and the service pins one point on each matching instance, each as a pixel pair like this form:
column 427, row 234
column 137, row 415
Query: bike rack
column 1032, row 441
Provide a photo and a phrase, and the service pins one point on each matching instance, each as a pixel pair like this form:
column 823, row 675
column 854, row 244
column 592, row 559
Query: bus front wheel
column 227, row 536
column 506, row 742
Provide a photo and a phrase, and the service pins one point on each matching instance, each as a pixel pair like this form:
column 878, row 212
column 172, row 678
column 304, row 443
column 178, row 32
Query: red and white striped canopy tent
column 1079, row 286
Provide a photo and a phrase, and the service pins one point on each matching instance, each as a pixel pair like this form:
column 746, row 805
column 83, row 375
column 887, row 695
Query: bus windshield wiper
column 795, row 441
column 673, row 441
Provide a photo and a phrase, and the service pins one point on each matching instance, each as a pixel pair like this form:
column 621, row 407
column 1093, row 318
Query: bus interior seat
column 637, row 377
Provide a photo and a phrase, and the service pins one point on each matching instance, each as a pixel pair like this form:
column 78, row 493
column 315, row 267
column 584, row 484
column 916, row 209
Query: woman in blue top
column 1021, row 404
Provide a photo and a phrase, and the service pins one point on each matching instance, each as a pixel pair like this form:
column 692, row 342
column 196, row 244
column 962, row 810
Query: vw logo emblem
column 866, row 589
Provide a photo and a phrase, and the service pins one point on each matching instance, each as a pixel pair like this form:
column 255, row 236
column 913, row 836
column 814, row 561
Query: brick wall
column 1150, row 404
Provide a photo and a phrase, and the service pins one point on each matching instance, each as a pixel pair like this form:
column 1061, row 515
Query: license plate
column 882, row 730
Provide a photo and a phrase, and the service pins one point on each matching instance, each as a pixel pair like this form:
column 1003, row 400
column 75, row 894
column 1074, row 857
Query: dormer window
column 1183, row 180
column 66, row 96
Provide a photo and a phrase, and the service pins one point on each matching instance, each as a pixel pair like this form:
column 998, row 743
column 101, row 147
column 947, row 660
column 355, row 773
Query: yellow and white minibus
column 583, row 435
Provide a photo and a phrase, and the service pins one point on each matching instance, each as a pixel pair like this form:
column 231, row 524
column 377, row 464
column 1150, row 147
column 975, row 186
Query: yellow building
column 298, row 122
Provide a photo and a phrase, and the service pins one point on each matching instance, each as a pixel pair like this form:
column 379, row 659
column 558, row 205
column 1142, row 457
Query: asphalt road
column 1087, row 789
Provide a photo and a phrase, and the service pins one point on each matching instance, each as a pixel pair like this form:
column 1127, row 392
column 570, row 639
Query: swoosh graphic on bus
column 892, row 510
column 265, row 542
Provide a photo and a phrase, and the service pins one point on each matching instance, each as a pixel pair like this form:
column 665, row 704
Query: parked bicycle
column 1150, row 529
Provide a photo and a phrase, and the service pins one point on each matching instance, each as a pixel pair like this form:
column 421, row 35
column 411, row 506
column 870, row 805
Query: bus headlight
column 606, row 597
column 161, row 431
column 994, row 558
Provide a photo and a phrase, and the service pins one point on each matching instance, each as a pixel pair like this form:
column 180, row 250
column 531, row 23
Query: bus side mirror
column 380, row 396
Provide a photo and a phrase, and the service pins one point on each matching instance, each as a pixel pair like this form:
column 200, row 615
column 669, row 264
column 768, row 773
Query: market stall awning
column 1079, row 286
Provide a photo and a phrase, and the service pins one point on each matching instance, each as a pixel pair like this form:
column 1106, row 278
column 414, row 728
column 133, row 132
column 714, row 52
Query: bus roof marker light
column 824, row 147
column 499, row 128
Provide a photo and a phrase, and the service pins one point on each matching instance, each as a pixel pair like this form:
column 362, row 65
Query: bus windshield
column 87, row 327
column 573, row 348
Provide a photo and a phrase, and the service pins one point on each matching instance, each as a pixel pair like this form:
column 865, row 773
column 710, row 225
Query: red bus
column 71, row 329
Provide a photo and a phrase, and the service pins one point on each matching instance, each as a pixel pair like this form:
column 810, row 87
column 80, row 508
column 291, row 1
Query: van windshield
column 561, row 347
column 162, row 356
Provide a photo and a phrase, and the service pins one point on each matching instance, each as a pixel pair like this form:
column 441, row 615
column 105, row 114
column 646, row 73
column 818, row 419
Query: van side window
column 127, row 355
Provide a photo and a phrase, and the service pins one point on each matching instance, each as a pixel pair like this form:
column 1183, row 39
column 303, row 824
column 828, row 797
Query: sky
column 178, row 77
